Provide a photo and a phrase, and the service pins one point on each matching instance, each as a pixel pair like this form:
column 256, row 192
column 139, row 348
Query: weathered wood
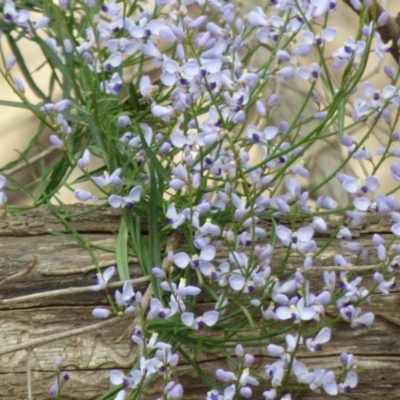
column 64, row 263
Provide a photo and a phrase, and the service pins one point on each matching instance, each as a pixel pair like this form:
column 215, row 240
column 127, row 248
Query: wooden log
column 36, row 330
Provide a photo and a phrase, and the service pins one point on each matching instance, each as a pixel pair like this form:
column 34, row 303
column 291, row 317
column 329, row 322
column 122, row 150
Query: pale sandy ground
column 18, row 126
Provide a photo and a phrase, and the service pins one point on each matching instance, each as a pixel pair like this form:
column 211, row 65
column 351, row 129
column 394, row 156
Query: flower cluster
column 184, row 113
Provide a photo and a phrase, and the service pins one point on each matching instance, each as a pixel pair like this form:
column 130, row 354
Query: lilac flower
column 116, row 201
column 316, row 344
column 173, row 390
column 208, row 228
column 319, row 224
column 395, row 171
column 352, row 247
column 101, row 279
column 325, row 380
column 354, row 186
column 352, row 314
column 119, row 378
column 347, row 360
column 350, row 382
column 41, row 22
column 349, row 287
column 157, row 310
column 121, row 395
column 163, row 112
column 246, row 379
column 207, row 254
column 9, row 12
column 3, row 197
column 123, row 121
column 113, row 179
column 56, row 141
column 225, row 376
column 330, row 280
column 297, row 312
column 327, row 203
column 173, row 218
column 113, row 85
column 269, row 394
column 276, row 373
column 229, row 393
column 182, row 290
column 85, row 195
column 62, row 105
column 302, row 373
column 101, row 313
column 84, row 160
column 209, row 318
column 351, row 50
column 300, row 240
column 384, row 286
column 285, row 74
column 146, row 88
column 11, row 61
column 19, row 85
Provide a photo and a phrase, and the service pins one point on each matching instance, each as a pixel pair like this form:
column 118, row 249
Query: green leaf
column 122, row 251
column 248, row 316
column 17, row 104
column 340, row 117
column 154, row 231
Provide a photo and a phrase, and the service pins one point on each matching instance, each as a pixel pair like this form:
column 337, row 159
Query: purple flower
column 395, row 171
column 85, row 159
column 19, row 85
column 285, row 74
column 85, row 195
column 326, row 380
column 209, row 318
column 113, row 179
column 302, row 373
column 316, row 344
column 101, row 279
column 11, row 61
column 124, row 121
column 116, row 201
column 300, row 240
column 119, row 378
column 3, row 181
column 229, row 394
column 173, row 218
column 101, row 313
column 208, row 228
column 352, row 314
column 173, row 390
column 201, row 261
column 350, row 382
column 358, row 187
column 347, row 360
column 182, row 290
column 157, row 310
column 163, row 112
column 384, row 286
column 297, row 312
column 56, row 141
column 146, row 88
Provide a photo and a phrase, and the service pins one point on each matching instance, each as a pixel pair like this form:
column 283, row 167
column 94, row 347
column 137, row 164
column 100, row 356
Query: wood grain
column 63, row 263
